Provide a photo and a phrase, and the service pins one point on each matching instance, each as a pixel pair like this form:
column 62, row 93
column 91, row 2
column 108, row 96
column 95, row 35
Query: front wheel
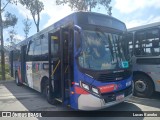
column 49, row 94
column 143, row 86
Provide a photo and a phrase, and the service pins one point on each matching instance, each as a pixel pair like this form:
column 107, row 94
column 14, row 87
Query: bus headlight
column 89, row 88
column 85, row 86
column 95, row 90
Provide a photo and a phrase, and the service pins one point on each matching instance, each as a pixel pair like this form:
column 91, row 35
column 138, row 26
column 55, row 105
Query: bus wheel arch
column 143, row 84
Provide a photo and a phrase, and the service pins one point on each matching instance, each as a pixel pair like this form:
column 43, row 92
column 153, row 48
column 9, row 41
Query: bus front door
column 66, row 67
column 60, row 68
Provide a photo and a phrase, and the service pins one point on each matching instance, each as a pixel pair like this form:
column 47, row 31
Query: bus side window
column 37, row 50
column 153, row 41
column 44, row 44
column 140, row 43
column 128, row 45
column 147, row 42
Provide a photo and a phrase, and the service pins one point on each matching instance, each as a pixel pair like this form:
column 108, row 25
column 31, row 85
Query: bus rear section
column 145, row 56
column 82, row 64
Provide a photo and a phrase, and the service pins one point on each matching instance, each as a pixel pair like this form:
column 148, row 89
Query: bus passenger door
column 59, row 68
column 54, row 65
column 66, row 64
column 23, row 62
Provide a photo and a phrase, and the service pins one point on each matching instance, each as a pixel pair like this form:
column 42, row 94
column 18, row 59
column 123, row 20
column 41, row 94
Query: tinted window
column 130, row 43
column 55, row 45
column 147, row 43
column 37, row 50
column 106, row 21
column 44, row 43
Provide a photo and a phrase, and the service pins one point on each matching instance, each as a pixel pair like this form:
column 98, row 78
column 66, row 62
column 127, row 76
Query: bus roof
column 144, row 26
column 71, row 16
column 61, row 22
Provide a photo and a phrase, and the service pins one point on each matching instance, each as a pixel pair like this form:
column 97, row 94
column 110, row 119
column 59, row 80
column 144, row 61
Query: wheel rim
column 140, row 86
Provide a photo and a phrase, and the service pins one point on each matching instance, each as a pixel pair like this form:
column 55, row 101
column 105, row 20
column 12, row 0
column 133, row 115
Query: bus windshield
column 101, row 50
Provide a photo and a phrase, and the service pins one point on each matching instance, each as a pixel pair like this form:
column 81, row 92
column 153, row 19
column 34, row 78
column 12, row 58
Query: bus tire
column 143, row 86
column 49, row 97
column 17, row 80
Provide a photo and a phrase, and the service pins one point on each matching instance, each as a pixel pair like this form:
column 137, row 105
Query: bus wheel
column 17, row 80
column 143, row 86
column 49, row 97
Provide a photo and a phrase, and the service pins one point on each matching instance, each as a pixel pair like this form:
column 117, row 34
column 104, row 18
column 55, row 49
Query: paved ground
column 14, row 98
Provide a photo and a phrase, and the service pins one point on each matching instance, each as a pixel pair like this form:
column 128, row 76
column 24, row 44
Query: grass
column 7, row 72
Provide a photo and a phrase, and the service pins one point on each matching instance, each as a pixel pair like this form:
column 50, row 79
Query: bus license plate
column 119, row 97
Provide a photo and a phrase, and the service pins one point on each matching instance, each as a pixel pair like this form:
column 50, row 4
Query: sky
column 132, row 12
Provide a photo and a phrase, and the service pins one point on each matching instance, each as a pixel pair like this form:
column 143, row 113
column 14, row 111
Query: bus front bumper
column 91, row 102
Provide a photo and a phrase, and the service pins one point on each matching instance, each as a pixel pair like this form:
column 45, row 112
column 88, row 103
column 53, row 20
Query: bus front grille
column 114, row 76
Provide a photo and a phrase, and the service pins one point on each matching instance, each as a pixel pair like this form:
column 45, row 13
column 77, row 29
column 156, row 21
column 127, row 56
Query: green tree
column 27, row 26
column 35, row 7
column 86, row 5
column 10, row 20
column 79, row 5
column 106, row 4
column 12, row 36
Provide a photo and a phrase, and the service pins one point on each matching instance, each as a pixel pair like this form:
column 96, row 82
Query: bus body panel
column 38, row 74
column 150, row 70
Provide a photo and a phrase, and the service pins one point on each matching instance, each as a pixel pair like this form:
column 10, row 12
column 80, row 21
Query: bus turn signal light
column 72, row 92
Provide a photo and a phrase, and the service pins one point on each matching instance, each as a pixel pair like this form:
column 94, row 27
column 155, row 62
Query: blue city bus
column 78, row 61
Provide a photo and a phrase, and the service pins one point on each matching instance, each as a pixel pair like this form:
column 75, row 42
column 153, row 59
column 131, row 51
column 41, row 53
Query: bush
column 7, row 72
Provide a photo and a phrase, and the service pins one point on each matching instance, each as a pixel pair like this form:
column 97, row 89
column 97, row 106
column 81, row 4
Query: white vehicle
column 144, row 50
